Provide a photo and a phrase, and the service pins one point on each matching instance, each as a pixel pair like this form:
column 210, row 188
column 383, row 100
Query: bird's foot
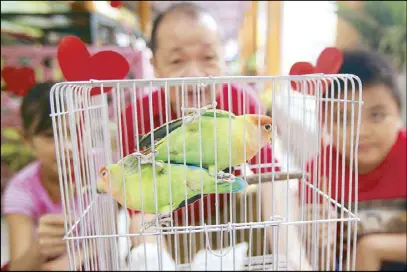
column 224, row 177
column 164, row 219
column 193, row 114
column 148, row 159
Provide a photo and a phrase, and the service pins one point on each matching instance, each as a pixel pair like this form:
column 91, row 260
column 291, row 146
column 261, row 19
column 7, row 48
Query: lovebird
column 139, row 179
column 245, row 134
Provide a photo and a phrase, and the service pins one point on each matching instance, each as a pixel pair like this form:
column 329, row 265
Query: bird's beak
column 99, row 188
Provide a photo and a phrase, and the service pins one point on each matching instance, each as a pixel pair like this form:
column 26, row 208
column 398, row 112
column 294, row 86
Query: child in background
column 32, row 201
column 381, row 162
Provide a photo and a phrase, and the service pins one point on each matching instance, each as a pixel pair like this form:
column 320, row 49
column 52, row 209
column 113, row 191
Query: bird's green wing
column 159, row 133
column 192, row 183
column 219, row 114
column 189, row 201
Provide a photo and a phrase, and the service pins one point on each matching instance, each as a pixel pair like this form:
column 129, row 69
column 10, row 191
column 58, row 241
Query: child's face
column 188, row 47
column 380, row 121
column 43, row 146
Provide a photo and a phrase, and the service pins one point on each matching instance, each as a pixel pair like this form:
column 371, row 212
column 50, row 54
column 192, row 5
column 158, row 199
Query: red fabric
column 236, row 99
column 387, row 181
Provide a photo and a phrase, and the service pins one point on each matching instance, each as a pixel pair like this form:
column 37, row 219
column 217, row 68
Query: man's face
column 188, row 47
column 380, row 121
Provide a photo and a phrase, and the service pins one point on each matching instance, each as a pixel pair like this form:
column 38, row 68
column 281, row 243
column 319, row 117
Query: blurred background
column 260, row 38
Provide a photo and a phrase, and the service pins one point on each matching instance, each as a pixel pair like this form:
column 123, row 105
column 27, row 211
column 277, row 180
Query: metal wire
column 282, row 228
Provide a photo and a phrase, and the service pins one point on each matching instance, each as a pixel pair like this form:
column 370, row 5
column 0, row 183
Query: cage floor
column 258, row 263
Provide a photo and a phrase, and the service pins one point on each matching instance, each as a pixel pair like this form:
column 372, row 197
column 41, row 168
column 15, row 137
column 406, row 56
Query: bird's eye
column 267, row 127
column 104, row 173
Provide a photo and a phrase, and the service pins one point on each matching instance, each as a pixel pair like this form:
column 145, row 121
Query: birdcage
column 270, row 225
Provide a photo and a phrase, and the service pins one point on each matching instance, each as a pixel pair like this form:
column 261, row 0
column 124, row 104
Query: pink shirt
column 26, row 195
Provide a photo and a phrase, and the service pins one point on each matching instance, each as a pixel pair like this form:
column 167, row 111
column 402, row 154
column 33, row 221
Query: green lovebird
column 137, row 173
column 235, row 134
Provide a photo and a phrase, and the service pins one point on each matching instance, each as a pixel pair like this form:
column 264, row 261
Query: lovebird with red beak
column 238, row 139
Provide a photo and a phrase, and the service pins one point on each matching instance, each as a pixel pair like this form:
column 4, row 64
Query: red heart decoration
column 329, row 62
column 18, row 80
column 74, row 58
column 77, row 64
column 301, row 68
column 116, row 4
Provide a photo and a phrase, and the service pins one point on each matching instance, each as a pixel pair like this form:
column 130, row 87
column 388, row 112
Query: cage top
column 161, row 82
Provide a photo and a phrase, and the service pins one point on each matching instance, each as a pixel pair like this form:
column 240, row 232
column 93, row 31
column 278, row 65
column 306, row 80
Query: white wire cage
column 269, row 226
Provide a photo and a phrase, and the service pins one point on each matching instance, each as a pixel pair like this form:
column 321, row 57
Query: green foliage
column 14, row 153
column 251, row 63
column 382, row 26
